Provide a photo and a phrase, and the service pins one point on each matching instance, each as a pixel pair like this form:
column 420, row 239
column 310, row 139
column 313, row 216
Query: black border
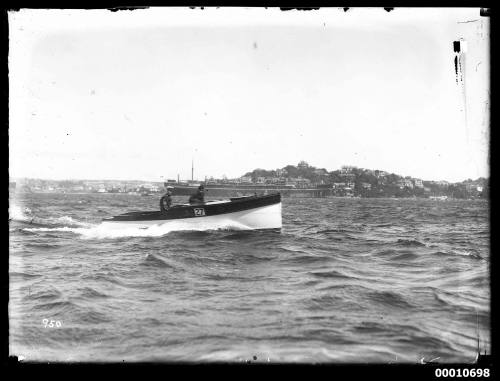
column 332, row 371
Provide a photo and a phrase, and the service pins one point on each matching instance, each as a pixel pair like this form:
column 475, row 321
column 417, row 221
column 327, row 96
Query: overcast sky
column 138, row 94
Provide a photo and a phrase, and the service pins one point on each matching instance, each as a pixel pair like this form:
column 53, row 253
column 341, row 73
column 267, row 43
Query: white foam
column 106, row 230
column 67, row 220
column 61, row 229
column 17, row 213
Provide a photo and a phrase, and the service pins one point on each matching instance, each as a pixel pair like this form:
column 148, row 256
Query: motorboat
column 246, row 212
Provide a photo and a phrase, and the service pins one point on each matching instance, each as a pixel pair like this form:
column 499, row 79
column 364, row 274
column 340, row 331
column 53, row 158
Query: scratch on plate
column 460, row 48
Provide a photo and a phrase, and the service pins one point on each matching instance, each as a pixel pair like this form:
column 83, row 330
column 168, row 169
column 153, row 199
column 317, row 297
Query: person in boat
column 166, row 200
column 199, row 196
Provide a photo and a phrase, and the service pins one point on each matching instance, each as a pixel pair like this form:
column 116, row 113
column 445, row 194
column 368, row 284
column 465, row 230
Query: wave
column 18, row 213
column 384, row 252
column 468, row 253
column 390, row 299
column 44, row 295
column 106, row 230
column 305, row 259
column 408, row 256
column 324, row 303
column 25, row 215
column 294, row 250
column 91, row 293
column 331, row 274
column 42, row 246
column 57, row 306
column 335, row 230
column 452, row 253
column 90, row 316
column 410, row 242
column 101, row 276
column 67, row 221
column 23, row 276
column 155, row 261
column 238, row 235
column 373, row 327
column 61, row 229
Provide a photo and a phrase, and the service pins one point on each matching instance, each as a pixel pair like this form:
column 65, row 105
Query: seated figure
column 199, row 196
column 166, row 200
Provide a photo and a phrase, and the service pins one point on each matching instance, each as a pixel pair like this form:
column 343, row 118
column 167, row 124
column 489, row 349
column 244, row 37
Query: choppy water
column 347, row 280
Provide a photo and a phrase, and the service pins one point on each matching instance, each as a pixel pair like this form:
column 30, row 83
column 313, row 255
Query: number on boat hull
column 198, row 212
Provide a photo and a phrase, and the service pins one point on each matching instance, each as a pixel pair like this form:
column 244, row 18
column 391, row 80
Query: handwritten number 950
column 51, row 323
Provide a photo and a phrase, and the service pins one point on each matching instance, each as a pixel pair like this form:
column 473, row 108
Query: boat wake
column 104, row 230
column 21, row 217
column 16, row 213
column 26, row 216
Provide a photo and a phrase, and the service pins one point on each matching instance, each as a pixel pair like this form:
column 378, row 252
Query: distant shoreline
column 159, row 194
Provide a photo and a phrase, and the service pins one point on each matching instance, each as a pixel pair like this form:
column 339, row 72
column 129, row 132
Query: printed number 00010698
column 466, row 372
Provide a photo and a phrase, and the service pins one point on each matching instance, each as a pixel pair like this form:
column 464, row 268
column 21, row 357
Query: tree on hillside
column 292, row 171
column 393, row 178
column 335, row 177
column 259, row 172
column 456, row 191
column 366, row 177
